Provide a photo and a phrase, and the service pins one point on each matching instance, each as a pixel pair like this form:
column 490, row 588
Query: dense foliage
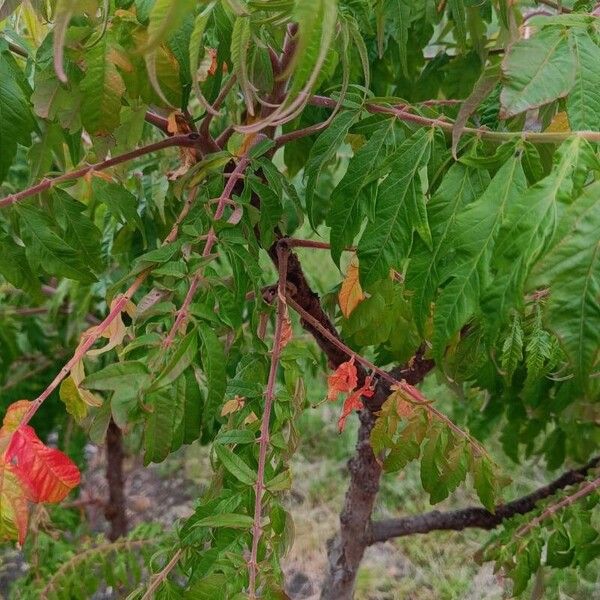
column 178, row 152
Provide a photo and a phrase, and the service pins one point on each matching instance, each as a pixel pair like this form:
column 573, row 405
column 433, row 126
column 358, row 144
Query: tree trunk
column 346, row 550
column 115, row 508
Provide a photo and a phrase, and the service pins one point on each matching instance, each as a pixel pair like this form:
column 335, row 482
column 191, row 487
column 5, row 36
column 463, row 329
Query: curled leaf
column 353, row 402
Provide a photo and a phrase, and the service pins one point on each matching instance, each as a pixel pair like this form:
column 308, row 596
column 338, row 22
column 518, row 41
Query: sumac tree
column 162, row 161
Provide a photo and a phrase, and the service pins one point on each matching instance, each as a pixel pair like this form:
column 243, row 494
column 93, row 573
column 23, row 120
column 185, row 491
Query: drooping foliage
column 157, row 156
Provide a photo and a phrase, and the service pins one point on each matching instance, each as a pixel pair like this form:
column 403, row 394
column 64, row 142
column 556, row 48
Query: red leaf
column 13, row 504
column 49, row 473
column 343, row 379
column 354, row 402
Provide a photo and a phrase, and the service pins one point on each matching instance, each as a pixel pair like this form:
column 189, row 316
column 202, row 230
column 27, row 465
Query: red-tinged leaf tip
column 14, row 415
column 14, row 495
column 354, row 402
column 343, row 379
column 50, row 473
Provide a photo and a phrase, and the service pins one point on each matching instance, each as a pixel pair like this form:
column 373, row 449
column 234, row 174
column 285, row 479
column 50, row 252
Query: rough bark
column 115, row 508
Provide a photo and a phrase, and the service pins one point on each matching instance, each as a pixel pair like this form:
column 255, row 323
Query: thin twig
column 496, row 136
column 162, row 575
column 185, row 140
column 285, row 138
column 583, row 491
column 82, row 556
column 205, row 124
column 263, row 440
column 211, row 239
column 412, row 393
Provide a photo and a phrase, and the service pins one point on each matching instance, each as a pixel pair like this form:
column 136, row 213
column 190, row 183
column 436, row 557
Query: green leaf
column 512, row 349
column 280, row 482
column 347, row 201
column 46, row 249
column 128, row 376
column 213, row 364
column 102, row 88
column 162, row 430
column 121, row 203
column 321, row 153
column 457, row 10
column 583, row 103
column 433, row 451
column 537, row 70
column 80, row 233
column 15, row 268
column 240, row 45
column 165, row 17
column 400, row 208
column 571, row 269
column 559, row 553
column 530, row 222
column 460, row 187
column 16, row 120
column 485, row 481
column 230, row 520
column 472, row 242
column 235, row 465
column 179, row 359
column 271, row 211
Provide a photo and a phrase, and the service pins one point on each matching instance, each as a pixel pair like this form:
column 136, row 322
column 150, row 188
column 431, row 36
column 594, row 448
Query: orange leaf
column 354, row 402
column 49, row 473
column 343, row 379
column 13, row 504
column 351, row 293
column 286, row 331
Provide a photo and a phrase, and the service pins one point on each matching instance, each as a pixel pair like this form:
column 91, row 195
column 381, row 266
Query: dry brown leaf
column 232, row 406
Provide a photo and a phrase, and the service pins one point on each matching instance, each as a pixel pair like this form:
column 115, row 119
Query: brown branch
column 264, row 428
column 185, row 140
column 157, row 121
column 475, row 516
column 299, row 243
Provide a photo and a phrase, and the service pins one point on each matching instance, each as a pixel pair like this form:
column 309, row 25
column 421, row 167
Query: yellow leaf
column 559, row 124
column 251, row 418
column 351, row 294
column 70, row 395
column 78, row 375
